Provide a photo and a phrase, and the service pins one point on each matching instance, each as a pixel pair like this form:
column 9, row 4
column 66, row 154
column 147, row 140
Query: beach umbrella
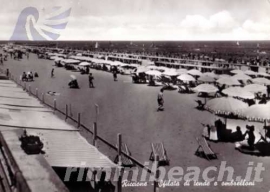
column 255, row 88
column 153, row 73
column 262, row 81
column 207, row 79
column 170, row 73
column 161, row 68
column 238, row 92
column 236, row 71
column 54, row 57
column 84, row 64
column 186, row 77
column 224, row 75
column 263, row 74
column 228, row 81
column 152, row 67
column 206, row 88
column 226, row 105
column 210, row 74
column 241, row 76
column 257, row 112
column 71, row 61
column 142, row 69
column 249, row 72
column 194, row 72
column 58, row 59
column 181, row 71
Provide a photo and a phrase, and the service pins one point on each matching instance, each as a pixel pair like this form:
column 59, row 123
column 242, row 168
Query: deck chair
column 204, row 149
column 158, row 149
column 126, row 162
column 200, row 104
column 181, row 89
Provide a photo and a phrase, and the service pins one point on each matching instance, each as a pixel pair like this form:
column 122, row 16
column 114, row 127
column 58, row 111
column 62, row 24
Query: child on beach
column 160, row 100
column 91, row 78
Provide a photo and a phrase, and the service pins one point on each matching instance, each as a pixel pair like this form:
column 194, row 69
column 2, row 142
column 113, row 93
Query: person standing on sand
column 91, row 78
column 160, row 100
column 7, row 72
column 115, row 74
column 52, row 72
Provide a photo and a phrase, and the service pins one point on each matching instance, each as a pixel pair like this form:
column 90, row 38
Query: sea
column 159, row 48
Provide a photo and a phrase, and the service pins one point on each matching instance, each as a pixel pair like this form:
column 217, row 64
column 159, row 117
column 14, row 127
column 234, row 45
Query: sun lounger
column 126, row 162
column 204, row 149
column 158, row 149
column 200, row 104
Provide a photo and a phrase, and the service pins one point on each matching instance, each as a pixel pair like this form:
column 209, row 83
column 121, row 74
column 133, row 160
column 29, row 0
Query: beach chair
column 126, row 162
column 158, row 149
column 200, row 104
column 181, row 89
column 204, row 149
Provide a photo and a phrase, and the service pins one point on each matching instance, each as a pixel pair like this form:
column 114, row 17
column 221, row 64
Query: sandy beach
column 131, row 109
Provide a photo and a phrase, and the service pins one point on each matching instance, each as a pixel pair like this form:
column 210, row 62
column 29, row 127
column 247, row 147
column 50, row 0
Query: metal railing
column 77, row 121
column 14, row 173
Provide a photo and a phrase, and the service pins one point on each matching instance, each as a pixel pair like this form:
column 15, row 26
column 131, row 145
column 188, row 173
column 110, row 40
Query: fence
column 77, row 121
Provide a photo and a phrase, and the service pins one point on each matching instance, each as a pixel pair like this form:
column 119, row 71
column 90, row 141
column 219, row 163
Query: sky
column 147, row 19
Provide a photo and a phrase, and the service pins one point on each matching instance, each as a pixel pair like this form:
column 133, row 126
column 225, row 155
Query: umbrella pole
column 226, row 122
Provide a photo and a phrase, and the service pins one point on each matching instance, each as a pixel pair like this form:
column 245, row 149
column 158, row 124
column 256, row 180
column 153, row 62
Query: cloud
column 219, row 22
column 219, row 25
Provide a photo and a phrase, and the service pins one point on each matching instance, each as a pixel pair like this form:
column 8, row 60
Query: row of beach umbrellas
column 247, row 92
column 227, row 105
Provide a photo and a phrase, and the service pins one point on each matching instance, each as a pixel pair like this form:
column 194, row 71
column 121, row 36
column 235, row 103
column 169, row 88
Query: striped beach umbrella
column 262, row 81
column 194, row 72
column 206, row 79
column 238, row 92
column 186, row 77
column 228, row 81
column 206, row 88
column 226, row 105
column 255, row 88
column 241, row 76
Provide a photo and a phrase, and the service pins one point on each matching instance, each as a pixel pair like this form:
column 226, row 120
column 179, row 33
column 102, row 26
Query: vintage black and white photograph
column 134, row 96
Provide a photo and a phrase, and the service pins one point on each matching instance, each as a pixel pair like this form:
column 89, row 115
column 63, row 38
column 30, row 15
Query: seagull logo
column 37, row 25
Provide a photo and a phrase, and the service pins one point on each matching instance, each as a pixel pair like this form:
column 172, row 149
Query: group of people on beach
column 29, row 76
column 219, row 133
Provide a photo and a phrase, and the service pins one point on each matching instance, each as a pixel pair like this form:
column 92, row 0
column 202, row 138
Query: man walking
column 91, row 78
column 160, row 100
column 52, row 73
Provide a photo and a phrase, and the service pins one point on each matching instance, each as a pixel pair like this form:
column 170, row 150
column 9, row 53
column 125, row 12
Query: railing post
column 42, row 97
column 66, row 111
column 54, row 105
column 79, row 120
column 94, row 134
column 29, row 88
column 156, row 164
column 36, row 92
column 119, row 148
column 120, row 171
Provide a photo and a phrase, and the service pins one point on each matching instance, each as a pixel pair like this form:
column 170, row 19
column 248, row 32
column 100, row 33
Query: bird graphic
column 35, row 25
